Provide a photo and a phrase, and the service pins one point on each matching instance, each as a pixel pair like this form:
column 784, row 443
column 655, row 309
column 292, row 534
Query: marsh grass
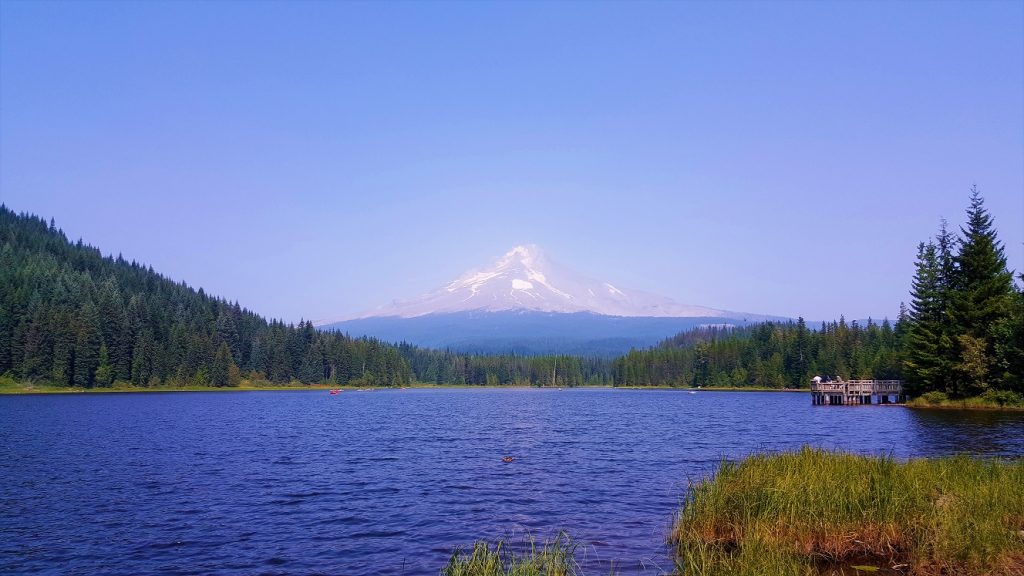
column 553, row 558
column 990, row 400
column 815, row 512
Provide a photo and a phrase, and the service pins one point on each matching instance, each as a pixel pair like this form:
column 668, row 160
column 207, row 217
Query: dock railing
column 859, row 386
column 850, row 392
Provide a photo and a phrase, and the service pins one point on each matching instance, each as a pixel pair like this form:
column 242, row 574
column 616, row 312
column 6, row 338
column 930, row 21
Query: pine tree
column 104, row 372
column 1009, row 345
column 114, row 327
column 925, row 366
column 142, row 359
column 982, row 299
column 87, row 346
column 6, row 337
column 311, row 371
column 220, row 372
column 63, row 328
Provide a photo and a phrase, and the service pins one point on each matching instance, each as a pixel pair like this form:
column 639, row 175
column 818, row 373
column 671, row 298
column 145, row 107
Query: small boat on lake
column 335, row 391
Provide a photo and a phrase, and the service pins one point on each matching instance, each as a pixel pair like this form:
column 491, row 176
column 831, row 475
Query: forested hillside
column 769, row 355
column 442, row 366
column 71, row 317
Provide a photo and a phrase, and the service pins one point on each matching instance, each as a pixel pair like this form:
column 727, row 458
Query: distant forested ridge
column 769, row 355
column 71, row 317
column 445, row 367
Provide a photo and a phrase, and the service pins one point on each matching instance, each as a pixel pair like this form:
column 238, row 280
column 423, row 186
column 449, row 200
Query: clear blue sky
column 320, row 158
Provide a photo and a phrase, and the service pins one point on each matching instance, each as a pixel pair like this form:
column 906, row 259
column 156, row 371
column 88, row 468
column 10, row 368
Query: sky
column 317, row 159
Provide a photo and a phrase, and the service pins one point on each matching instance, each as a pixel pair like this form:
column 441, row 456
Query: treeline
column 71, row 317
column 444, row 367
column 768, row 355
column 965, row 326
column 962, row 336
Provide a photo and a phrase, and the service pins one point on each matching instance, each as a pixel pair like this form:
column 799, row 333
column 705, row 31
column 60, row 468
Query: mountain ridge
column 524, row 278
column 524, row 303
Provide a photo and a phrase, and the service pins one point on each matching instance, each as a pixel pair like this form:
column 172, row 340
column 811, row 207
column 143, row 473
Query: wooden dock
column 856, row 392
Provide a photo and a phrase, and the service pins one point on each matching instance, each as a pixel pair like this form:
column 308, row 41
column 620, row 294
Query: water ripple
column 391, row 482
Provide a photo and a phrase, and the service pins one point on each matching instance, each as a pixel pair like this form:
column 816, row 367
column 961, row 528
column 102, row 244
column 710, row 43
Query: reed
column 552, row 558
column 816, row 511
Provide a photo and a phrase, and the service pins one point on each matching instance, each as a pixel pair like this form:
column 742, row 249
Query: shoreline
column 779, row 513
column 23, row 389
column 8, row 389
column 967, row 408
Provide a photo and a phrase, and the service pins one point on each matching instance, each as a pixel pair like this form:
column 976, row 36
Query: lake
column 391, row 481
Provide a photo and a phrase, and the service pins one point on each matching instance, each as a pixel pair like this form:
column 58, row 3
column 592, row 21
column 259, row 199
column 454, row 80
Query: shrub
column 934, row 398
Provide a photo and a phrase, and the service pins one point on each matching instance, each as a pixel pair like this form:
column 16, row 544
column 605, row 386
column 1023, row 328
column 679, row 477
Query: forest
column 767, row 355
column 70, row 317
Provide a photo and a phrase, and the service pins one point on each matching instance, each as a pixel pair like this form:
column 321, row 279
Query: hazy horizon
column 314, row 160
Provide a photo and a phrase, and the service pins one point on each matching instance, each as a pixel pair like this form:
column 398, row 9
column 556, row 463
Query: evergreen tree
column 142, row 359
column 311, row 371
column 925, row 366
column 104, row 372
column 63, row 328
column 87, row 346
column 1009, row 345
column 982, row 299
column 220, row 372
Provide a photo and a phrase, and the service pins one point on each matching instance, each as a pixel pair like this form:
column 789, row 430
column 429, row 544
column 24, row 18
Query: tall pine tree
column 981, row 300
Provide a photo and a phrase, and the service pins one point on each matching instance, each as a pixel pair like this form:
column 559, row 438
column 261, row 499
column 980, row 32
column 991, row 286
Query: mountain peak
column 525, row 251
column 524, row 279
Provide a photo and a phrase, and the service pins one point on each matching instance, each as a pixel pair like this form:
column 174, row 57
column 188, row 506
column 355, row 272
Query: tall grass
column 815, row 511
column 553, row 558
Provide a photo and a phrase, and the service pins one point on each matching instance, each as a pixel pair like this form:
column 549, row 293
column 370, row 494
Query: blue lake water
column 391, row 481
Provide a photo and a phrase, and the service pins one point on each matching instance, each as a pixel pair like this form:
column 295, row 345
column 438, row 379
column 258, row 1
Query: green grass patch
column 552, row 558
column 990, row 400
column 818, row 512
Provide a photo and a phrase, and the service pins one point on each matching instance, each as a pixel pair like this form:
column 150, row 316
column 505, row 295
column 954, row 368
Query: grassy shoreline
column 816, row 511
column 9, row 386
column 998, row 401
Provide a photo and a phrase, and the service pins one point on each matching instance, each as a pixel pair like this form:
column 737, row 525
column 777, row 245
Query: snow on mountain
column 525, row 279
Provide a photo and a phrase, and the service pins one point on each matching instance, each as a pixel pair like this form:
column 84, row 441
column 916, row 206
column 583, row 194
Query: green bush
column 1003, row 397
column 934, row 398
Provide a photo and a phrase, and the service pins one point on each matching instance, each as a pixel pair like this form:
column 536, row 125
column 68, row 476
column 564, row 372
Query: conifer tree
column 63, row 329
column 924, row 364
column 982, row 298
column 220, row 372
column 311, row 371
column 1009, row 345
column 104, row 372
column 87, row 346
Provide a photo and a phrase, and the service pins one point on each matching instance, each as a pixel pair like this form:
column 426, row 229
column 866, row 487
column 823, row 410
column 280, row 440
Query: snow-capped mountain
column 525, row 303
column 525, row 279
